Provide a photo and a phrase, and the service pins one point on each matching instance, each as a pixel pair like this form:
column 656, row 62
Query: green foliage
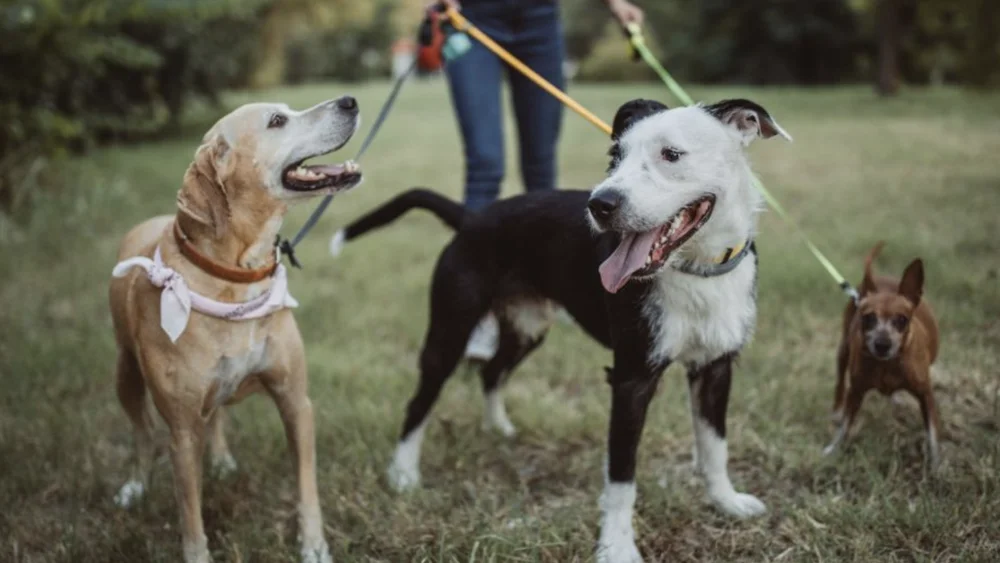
column 356, row 52
column 78, row 72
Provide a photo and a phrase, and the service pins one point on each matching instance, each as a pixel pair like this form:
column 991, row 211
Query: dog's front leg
column 855, row 396
column 288, row 387
column 187, row 438
column 630, row 397
column 928, row 408
column 709, row 394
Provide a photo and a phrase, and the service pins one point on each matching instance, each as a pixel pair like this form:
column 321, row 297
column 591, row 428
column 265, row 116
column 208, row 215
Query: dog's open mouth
column 301, row 177
column 643, row 254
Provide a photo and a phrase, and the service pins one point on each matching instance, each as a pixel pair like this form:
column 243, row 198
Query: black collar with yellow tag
column 722, row 264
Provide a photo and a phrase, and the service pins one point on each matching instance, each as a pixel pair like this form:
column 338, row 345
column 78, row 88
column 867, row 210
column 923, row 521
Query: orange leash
column 464, row 25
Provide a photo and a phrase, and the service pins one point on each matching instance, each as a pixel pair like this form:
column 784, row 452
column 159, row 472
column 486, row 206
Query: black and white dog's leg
column 709, row 386
column 513, row 348
column 453, row 316
column 629, row 401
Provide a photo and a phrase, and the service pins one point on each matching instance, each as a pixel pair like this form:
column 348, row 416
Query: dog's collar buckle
column 720, row 265
column 221, row 271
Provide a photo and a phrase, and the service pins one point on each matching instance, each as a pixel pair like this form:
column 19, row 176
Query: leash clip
column 286, row 249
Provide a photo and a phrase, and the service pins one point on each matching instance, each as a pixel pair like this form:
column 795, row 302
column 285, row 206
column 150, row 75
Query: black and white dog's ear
column 751, row 120
column 631, row 112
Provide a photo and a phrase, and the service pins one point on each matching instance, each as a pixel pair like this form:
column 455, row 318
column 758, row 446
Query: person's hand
column 625, row 12
column 449, row 3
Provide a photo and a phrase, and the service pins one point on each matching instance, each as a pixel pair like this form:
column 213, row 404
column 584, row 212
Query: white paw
column 130, row 493
column 337, row 243
column 740, row 505
column 223, row 466
column 197, row 552
column 504, row 427
column 316, row 553
column 829, row 449
column 618, row 550
column 403, row 477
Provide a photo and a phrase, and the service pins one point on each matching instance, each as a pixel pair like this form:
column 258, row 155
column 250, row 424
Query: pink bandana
column 177, row 301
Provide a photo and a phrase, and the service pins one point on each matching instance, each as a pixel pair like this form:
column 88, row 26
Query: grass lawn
column 921, row 171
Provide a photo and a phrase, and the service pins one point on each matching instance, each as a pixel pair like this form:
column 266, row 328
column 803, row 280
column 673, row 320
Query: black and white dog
column 657, row 263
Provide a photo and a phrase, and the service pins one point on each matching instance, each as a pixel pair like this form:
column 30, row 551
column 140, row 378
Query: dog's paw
column 740, row 505
column 223, row 466
column 502, row 426
column 318, row 552
column 337, row 242
column 403, row 477
column 829, row 450
column 130, row 493
column 618, row 550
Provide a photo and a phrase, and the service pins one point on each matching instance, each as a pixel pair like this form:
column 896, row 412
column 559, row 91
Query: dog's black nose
column 603, row 204
column 347, row 103
column 882, row 346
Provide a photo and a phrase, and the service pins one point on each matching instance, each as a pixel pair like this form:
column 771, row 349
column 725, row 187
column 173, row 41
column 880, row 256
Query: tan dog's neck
column 224, row 213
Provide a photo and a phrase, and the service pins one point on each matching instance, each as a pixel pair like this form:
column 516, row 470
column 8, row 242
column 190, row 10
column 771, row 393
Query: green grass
column 920, row 171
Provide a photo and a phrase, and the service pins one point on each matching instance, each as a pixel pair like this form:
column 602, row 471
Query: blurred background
column 76, row 73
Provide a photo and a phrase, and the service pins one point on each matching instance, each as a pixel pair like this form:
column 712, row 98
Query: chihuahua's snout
column 881, row 345
column 348, row 104
column 604, row 203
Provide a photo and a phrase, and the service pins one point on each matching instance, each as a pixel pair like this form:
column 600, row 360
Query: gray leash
column 288, row 246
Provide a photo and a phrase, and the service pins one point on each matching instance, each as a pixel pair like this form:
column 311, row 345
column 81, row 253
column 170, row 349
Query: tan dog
column 220, row 244
column 889, row 342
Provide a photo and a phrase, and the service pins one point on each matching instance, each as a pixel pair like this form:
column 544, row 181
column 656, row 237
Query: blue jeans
column 532, row 32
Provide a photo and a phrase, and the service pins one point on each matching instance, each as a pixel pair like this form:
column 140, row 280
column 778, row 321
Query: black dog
column 657, row 263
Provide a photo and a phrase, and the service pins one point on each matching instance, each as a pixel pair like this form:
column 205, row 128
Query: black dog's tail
column 448, row 211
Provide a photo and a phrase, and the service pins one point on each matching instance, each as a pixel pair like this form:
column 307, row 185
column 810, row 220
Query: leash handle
column 286, row 246
column 639, row 46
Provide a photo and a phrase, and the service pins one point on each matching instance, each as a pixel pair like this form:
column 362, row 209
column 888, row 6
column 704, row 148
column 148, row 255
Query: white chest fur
column 695, row 320
column 242, row 360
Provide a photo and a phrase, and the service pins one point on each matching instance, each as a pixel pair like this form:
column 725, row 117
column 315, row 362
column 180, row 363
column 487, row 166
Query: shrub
column 84, row 71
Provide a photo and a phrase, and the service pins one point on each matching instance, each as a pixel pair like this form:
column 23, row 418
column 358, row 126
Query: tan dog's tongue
column 626, row 259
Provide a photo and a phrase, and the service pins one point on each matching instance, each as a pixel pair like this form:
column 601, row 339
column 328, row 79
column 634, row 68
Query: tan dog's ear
column 203, row 196
column 911, row 286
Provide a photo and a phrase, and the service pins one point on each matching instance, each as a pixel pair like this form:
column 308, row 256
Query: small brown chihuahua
column 889, row 341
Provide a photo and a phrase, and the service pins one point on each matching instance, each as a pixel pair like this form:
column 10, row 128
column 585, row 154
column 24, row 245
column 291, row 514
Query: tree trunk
column 887, row 28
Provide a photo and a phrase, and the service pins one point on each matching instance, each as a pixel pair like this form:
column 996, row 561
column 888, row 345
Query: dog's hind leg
column 839, row 392
column 131, row 390
column 221, row 458
column 457, row 304
column 513, row 348
column 709, row 393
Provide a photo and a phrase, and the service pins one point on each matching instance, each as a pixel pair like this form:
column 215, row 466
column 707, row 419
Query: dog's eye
column 670, row 155
column 277, row 121
column 868, row 321
column 900, row 322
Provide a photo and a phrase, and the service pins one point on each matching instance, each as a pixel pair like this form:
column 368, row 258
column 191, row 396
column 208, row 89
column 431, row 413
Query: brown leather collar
column 211, row 267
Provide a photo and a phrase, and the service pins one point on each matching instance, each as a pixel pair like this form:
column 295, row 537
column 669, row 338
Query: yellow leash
column 639, row 44
column 462, row 24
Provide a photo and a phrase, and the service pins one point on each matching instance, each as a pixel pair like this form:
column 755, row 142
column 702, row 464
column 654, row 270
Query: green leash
column 638, row 43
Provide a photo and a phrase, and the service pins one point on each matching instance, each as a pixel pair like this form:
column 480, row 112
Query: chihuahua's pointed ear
column 749, row 119
column 911, row 286
column 632, row 111
column 203, row 196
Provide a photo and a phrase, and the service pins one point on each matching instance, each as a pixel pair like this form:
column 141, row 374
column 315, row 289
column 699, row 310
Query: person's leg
column 538, row 42
column 474, row 80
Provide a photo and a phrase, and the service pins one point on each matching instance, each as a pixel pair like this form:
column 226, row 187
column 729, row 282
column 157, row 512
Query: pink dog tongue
column 626, row 259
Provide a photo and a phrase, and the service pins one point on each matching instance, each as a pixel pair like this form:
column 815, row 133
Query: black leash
column 287, row 246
